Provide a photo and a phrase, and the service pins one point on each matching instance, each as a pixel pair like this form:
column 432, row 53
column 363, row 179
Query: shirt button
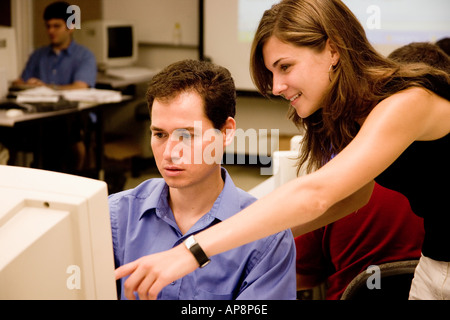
column 173, row 283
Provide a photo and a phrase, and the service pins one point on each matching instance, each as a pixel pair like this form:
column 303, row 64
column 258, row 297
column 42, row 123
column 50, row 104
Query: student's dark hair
column 213, row 83
column 444, row 44
column 57, row 10
column 360, row 80
column 424, row 52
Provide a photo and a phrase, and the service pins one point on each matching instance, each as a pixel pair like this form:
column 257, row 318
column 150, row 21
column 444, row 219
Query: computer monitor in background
column 113, row 43
column 55, row 236
column 8, row 59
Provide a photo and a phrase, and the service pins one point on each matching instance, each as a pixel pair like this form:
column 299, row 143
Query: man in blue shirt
column 192, row 108
column 63, row 64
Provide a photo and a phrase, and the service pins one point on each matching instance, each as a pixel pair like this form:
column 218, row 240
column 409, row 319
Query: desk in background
column 13, row 130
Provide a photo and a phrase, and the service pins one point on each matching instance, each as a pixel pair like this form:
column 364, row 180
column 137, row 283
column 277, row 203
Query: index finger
column 125, row 270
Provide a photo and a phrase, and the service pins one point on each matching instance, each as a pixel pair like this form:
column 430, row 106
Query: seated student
column 192, row 109
column 384, row 230
column 424, row 52
column 444, row 44
column 61, row 65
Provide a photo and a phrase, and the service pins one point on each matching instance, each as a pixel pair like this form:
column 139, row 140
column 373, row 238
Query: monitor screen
column 120, row 41
column 113, row 43
column 55, row 237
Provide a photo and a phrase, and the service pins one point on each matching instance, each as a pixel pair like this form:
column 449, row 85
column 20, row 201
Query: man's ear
column 228, row 131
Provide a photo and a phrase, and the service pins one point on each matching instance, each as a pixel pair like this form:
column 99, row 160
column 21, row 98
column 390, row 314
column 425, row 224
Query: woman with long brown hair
column 365, row 117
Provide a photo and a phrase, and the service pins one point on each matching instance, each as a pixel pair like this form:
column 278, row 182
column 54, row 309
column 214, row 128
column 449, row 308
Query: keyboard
column 129, row 73
column 62, row 104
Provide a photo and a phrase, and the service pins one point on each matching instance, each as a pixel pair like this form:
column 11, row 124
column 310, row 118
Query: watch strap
column 197, row 251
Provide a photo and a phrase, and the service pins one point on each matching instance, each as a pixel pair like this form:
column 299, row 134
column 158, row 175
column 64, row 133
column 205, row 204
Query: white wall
column 155, row 21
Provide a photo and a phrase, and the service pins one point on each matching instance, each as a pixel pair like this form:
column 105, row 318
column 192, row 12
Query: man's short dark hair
column 213, row 83
column 57, row 10
column 444, row 44
column 424, row 52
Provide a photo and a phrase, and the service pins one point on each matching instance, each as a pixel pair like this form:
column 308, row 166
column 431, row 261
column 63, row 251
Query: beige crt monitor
column 55, row 236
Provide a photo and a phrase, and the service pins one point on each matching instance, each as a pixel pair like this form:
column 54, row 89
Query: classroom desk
column 16, row 127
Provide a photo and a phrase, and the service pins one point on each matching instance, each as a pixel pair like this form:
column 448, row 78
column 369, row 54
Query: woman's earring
column 329, row 71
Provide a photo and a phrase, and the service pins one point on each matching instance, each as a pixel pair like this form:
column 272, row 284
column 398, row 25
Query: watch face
column 190, row 242
column 197, row 251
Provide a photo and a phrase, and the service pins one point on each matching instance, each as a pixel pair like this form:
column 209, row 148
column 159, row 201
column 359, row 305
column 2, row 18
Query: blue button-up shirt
column 143, row 223
column 76, row 63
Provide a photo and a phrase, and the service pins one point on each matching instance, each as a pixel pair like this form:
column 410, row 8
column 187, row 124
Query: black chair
column 395, row 283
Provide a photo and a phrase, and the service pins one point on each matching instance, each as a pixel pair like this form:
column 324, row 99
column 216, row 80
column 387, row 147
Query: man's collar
column 156, row 200
column 68, row 50
column 225, row 206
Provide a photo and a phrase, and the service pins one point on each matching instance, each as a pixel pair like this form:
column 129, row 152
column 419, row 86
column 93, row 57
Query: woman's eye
column 284, row 67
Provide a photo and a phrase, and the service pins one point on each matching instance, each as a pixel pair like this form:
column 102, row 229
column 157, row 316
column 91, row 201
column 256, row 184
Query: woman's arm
column 311, row 201
column 339, row 210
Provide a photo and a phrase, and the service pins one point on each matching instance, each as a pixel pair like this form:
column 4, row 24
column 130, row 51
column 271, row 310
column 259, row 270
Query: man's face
column 58, row 32
column 186, row 147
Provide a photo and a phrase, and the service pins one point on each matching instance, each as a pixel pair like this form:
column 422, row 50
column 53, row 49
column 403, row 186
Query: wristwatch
column 197, row 251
